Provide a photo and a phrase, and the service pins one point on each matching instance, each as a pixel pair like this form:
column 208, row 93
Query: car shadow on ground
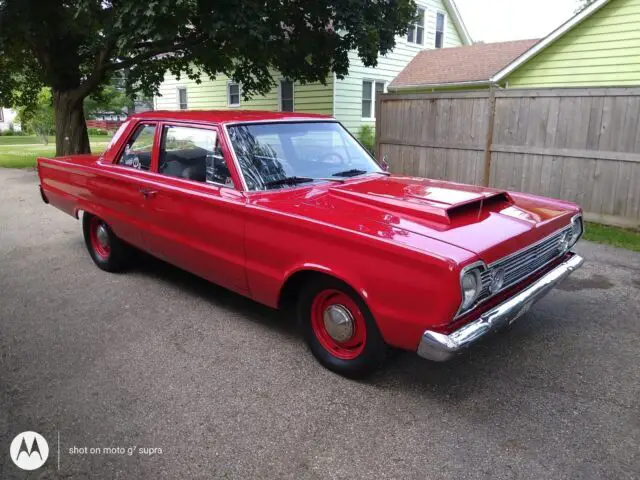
column 283, row 322
column 453, row 381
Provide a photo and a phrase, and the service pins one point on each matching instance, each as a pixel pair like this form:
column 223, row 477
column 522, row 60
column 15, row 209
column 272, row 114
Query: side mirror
column 384, row 163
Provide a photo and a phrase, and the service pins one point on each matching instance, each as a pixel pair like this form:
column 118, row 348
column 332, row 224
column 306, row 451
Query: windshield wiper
column 350, row 173
column 289, row 181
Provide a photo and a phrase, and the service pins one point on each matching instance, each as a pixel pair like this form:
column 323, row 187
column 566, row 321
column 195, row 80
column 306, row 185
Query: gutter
column 475, row 83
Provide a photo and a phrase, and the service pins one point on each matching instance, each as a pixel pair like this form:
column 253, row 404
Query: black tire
column 364, row 359
column 115, row 256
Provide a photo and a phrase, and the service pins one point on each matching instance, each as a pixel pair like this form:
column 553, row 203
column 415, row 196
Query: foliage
column 367, row 137
column 11, row 131
column 38, row 118
column 106, row 99
column 618, row 237
column 77, row 46
column 96, row 131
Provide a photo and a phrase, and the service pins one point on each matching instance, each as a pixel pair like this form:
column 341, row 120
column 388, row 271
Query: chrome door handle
column 146, row 193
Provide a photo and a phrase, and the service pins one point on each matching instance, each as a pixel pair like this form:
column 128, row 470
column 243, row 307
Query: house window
column 1, row 115
column 234, row 94
column 286, row 96
column 182, row 98
column 416, row 29
column 439, row 29
column 370, row 90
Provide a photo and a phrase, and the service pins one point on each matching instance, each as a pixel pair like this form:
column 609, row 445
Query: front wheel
column 107, row 251
column 339, row 328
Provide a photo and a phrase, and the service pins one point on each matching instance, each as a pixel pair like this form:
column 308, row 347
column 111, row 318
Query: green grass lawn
column 24, row 150
column 618, row 237
column 22, row 139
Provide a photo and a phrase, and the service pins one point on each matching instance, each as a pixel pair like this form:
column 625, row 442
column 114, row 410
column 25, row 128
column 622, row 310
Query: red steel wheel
column 338, row 324
column 107, row 251
column 99, row 237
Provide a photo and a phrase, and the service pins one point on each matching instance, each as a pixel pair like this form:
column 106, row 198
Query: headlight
column 577, row 229
column 471, row 286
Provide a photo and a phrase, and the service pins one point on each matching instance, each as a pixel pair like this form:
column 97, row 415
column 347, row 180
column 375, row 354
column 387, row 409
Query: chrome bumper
column 439, row 347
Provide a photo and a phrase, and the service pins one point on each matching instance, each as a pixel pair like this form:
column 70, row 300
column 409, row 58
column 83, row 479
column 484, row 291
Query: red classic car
column 290, row 210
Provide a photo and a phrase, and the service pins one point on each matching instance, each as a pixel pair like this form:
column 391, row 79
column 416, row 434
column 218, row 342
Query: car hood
column 488, row 222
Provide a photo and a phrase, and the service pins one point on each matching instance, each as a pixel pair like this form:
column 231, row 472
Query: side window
column 193, row 154
column 137, row 151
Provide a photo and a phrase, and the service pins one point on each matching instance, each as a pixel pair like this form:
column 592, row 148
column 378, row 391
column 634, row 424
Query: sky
column 502, row 20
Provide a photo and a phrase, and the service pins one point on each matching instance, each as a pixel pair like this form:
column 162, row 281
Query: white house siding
column 7, row 118
column 348, row 94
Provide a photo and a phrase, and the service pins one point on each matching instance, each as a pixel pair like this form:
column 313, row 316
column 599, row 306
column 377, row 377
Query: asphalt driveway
column 226, row 389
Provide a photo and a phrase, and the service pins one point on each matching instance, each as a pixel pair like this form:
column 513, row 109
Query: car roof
column 227, row 116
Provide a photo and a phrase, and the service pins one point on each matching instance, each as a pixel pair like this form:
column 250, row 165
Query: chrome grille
column 524, row 263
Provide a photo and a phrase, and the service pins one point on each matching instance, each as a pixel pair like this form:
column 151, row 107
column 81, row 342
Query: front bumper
column 440, row 347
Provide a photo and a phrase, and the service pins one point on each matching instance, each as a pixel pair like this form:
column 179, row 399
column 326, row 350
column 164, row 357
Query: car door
column 196, row 211
column 122, row 185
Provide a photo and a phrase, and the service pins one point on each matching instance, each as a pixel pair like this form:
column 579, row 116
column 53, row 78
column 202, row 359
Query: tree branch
column 174, row 47
column 102, row 68
column 99, row 71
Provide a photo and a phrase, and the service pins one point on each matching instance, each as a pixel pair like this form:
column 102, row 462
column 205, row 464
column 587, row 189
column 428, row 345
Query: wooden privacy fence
column 581, row 145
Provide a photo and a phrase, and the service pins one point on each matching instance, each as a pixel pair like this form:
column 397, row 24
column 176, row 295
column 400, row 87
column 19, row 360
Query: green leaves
column 76, row 46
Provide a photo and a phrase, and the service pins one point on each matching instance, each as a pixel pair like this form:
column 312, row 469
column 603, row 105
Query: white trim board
column 465, row 36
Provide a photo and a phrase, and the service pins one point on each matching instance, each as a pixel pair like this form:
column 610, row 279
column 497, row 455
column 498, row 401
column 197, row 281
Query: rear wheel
column 107, row 251
column 339, row 328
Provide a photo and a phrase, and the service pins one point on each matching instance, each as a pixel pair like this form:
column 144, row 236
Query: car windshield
column 282, row 155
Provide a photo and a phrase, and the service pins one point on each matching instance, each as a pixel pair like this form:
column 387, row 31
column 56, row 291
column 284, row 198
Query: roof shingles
column 472, row 63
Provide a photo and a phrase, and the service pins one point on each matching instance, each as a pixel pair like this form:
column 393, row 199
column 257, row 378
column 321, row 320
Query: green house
column 351, row 99
column 598, row 47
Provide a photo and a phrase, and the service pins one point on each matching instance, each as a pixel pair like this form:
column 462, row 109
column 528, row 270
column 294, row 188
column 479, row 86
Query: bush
column 367, row 137
column 97, row 131
column 11, row 132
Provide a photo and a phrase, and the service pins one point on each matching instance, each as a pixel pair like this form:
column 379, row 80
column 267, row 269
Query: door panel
column 197, row 221
column 199, row 228
column 120, row 185
column 118, row 189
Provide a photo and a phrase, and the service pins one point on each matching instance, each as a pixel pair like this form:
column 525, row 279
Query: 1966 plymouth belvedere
column 289, row 209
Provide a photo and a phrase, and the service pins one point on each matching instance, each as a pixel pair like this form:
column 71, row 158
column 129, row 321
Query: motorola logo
column 29, row 450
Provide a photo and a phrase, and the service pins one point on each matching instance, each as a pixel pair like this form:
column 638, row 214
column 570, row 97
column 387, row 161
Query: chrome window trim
column 200, row 126
column 245, row 189
column 234, row 123
column 243, row 182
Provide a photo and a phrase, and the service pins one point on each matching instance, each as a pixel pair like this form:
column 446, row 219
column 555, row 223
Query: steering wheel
column 337, row 159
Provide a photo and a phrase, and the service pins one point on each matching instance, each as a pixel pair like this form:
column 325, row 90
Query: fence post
column 489, row 143
column 378, row 113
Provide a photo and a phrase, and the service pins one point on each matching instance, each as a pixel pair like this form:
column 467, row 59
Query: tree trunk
column 71, row 127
